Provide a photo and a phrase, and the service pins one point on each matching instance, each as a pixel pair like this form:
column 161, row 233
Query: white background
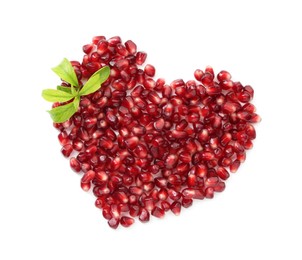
column 44, row 212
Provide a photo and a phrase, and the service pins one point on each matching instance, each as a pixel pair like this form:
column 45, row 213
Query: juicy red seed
column 222, row 173
column 131, row 46
column 186, row 202
column 158, row 212
column 244, row 97
column 165, row 205
column 255, row 118
column 223, row 75
column 234, row 166
column 190, row 193
column 140, row 58
column 67, row 150
column 75, row 164
column 225, row 139
column 144, row 215
column 88, row 176
column 113, row 223
column 96, row 39
column 198, row 74
column 159, row 124
column 87, row 48
column 149, row 70
column 126, row 221
column 250, row 90
column 176, row 207
column 132, row 142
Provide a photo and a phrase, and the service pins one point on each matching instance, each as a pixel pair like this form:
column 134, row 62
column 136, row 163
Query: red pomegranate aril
column 131, row 46
column 113, row 41
column 149, row 204
column 149, row 70
column 211, row 181
column 229, row 107
column 131, row 142
column 185, row 157
column 75, row 164
column 176, row 208
column 207, row 156
column 219, row 187
column 209, row 193
column 88, row 48
column 140, row 57
column 201, row 170
column 140, row 151
column 122, row 64
column 241, row 157
column 113, row 223
column 160, row 82
column 63, row 138
column 186, row 202
column 171, row 161
column 126, row 221
column 234, row 166
column 207, row 79
column 198, row 74
column 158, row 212
column 249, row 108
column 144, row 215
column 174, row 195
column 250, row 90
column 88, row 176
column 165, row 205
column 255, row 118
column 222, row 173
column 159, row 124
column 67, row 150
column 244, row 97
column 190, row 193
column 136, row 190
column 223, row 76
column 96, row 39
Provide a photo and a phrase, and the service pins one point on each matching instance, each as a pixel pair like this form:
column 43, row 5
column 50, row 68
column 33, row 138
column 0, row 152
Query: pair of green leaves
column 66, row 72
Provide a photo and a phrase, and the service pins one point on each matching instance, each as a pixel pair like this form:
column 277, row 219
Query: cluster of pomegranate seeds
column 146, row 147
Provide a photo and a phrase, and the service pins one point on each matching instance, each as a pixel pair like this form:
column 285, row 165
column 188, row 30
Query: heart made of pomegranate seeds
column 146, row 147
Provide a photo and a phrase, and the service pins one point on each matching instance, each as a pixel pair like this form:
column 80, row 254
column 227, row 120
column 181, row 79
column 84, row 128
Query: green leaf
column 73, row 91
column 62, row 113
column 95, row 81
column 53, row 95
column 76, row 102
column 65, row 89
column 66, row 72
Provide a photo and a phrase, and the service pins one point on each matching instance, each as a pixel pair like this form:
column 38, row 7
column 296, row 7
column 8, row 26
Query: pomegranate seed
column 176, row 207
column 113, row 223
column 234, row 166
column 192, row 194
column 130, row 46
column 67, row 150
column 165, row 205
column 126, row 221
column 140, row 57
column 149, row 70
column 158, row 212
column 198, row 74
column 222, row 173
column 223, row 76
column 186, row 202
column 144, row 215
column 75, row 164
